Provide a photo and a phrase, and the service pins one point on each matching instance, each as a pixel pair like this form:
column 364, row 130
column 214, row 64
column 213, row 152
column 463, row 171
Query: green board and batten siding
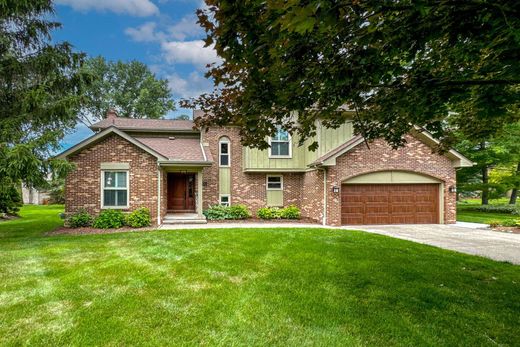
column 327, row 138
column 275, row 198
column 224, row 180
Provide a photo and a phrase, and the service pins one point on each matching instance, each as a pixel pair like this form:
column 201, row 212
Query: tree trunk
column 514, row 192
column 485, row 189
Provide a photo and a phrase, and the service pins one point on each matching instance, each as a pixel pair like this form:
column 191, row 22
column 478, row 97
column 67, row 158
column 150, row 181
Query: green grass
column 245, row 287
column 465, row 214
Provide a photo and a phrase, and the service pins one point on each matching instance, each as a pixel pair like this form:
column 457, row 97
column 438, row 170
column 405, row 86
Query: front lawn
column 288, row 287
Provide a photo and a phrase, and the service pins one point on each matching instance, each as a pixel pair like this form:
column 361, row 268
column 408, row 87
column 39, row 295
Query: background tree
column 395, row 63
column 129, row 88
column 183, row 117
column 40, row 93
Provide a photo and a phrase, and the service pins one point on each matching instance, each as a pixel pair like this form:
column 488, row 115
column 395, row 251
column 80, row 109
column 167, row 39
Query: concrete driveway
column 467, row 238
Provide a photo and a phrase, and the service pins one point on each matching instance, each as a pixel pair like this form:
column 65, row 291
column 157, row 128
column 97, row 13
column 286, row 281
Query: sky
column 160, row 33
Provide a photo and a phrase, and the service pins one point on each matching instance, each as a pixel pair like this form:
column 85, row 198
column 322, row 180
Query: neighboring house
column 171, row 167
column 34, row 196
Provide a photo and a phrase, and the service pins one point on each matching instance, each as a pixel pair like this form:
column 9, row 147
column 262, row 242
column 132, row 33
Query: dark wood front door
column 181, row 192
column 389, row 204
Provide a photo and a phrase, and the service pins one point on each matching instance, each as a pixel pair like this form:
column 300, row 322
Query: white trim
column 203, row 151
column 289, row 156
column 267, row 182
column 222, row 140
column 222, row 196
column 102, row 197
column 159, row 195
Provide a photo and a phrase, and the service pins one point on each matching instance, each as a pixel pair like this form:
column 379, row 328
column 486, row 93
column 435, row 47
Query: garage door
column 389, row 204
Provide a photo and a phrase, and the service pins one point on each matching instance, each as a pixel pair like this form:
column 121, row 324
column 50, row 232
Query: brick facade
column 83, row 185
column 415, row 156
column 246, row 188
column 304, row 189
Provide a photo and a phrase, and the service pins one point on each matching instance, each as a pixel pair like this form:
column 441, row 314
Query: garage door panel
column 390, row 203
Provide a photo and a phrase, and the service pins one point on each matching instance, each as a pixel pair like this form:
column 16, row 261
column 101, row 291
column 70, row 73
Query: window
column 224, row 152
column 274, row 183
column 225, row 200
column 114, row 189
column 281, row 144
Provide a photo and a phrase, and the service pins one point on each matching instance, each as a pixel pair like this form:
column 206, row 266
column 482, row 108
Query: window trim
column 267, row 182
column 220, row 142
column 274, row 156
column 102, row 197
column 224, row 196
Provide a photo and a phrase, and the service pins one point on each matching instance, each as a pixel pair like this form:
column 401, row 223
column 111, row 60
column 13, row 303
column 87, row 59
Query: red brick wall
column 83, row 185
column 246, row 188
column 414, row 156
column 312, row 195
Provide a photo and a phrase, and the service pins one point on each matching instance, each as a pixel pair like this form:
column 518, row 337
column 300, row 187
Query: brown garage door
column 389, row 204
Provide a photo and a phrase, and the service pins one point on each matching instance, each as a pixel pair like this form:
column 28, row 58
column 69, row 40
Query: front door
column 181, row 192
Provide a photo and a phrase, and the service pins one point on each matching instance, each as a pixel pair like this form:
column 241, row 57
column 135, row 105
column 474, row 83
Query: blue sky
column 160, row 33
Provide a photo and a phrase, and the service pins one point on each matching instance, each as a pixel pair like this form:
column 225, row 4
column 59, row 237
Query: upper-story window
column 280, row 144
column 224, row 152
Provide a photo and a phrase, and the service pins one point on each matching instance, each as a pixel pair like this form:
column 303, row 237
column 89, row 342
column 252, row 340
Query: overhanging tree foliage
column 394, row 63
column 40, row 92
column 129, row 88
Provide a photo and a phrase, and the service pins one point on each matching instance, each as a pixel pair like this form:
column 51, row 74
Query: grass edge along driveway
column 246, row 287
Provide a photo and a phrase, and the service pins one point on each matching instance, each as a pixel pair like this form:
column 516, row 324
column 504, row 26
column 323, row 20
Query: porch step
column 184, row 218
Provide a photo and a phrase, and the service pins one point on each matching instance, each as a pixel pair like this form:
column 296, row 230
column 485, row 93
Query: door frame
column 190, row 203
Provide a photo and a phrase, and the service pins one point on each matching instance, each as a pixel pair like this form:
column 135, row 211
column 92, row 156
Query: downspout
column 159, row 195
column 324, row 221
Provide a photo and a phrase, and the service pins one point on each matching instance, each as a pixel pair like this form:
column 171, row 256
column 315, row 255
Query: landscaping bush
column 10, row 197
column 269, row 213
column 511, row 223
column 80, row 219
column 108, row 219
column 506, row 209
column 494, row 223
column 238, row 212
column 291, row 212
column 218, row 212
column 139, row 218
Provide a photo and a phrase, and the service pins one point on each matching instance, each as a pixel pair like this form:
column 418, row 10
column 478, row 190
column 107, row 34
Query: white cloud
column 145, row 33
column 140, row 8
column 190, row 52
column 193, row 86
column 187, row 27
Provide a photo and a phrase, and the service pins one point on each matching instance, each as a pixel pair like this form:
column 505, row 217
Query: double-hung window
column 280, row 144
column 114, row 189
column 225, row 200
column 224, row 152
column 274, row 183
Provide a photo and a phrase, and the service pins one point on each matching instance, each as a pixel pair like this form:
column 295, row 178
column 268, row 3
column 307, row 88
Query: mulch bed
column 265, row 221
column 510, row 230
column 90, row 231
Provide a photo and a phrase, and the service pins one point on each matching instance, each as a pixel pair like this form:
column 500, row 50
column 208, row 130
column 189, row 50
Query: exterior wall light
column 335, row 189
column 452, row 189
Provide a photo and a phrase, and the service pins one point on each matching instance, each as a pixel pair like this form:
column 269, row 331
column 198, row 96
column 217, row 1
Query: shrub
column 290, row 212
column 109, row 219
column 238, row 212
column 139, row 218
column 80, row 219
column 511, row 223
column 494, row 223
column 10, row 198
column 218, row 212
column 506, row 209
column 57, row 192
column 269, row 213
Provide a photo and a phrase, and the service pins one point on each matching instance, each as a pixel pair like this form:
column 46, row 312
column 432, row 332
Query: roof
column 167, row 150
column 145, row 124
column 329, row 158
column 174, row 148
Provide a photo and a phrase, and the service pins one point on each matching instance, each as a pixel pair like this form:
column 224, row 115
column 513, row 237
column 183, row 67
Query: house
column 172, row 168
